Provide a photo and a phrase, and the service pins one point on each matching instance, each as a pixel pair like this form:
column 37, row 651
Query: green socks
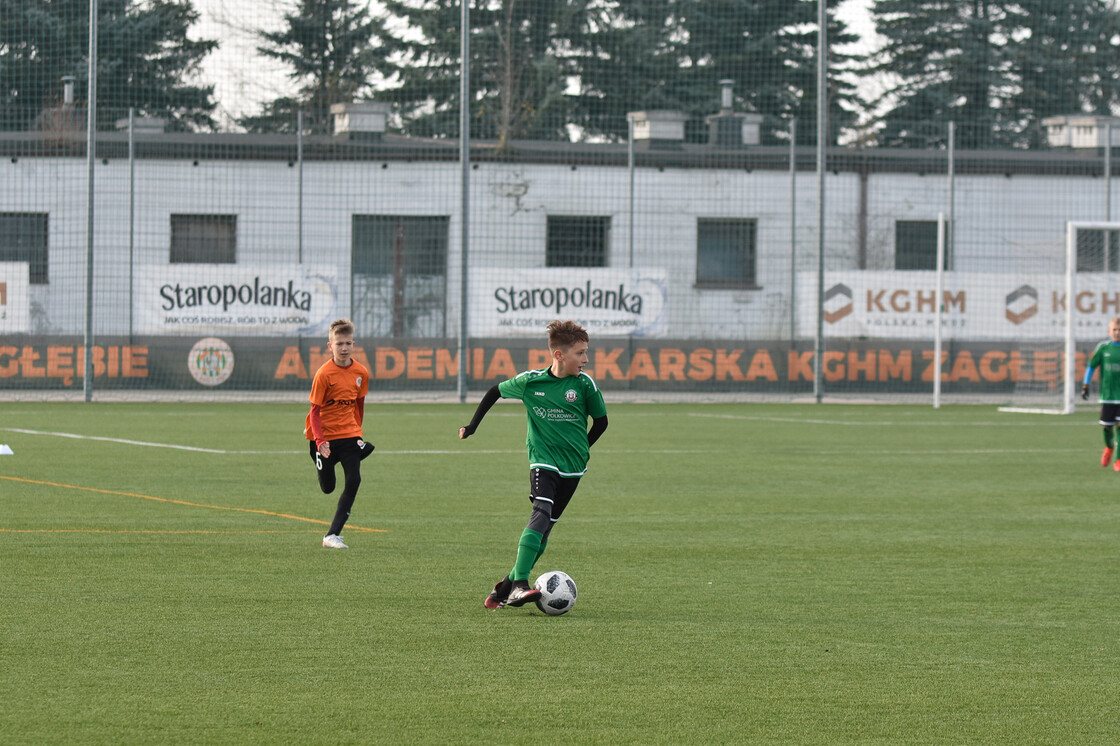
column 528, row 549
column 1108, row 440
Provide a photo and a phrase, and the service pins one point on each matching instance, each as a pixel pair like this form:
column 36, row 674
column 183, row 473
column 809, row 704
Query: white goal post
column 1109, row 261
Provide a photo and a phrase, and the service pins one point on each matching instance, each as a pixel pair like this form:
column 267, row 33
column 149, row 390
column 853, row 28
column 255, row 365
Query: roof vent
column 360, row 120
column 143, row 125
column 660, row 128
column 731, row 129
column 1081, row 130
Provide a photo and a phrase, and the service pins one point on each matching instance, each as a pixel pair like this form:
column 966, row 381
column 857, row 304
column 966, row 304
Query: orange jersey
column 337, row 391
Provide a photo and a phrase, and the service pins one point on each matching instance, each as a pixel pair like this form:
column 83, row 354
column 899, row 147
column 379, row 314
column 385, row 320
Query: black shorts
column 1110, row 414
column 341, row 450
column 545, row 484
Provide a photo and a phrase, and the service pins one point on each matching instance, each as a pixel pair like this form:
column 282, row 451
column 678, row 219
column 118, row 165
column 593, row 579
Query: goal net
column 1074, row 314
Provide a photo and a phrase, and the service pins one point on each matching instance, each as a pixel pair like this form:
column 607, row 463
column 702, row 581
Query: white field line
column 220, row 451
column 123, row 441
column 884, row 423
column 951, row 451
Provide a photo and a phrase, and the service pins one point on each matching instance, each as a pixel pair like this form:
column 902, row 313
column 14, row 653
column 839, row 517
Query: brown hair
column 341, row 326
column 564, row 334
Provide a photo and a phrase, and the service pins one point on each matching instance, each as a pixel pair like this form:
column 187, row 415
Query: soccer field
column 770, row 574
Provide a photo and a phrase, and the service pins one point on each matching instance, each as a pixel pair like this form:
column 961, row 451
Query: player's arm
column 598, row 426
column 1085, row 384
column 317, row 431
column 360, row 407
column 488, row 400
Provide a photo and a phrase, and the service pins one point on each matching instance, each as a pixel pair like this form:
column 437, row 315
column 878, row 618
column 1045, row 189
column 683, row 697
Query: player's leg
column 565, row 489
column 350, row 457
column 324, row 469
column 1109, row 414
column 542, row 493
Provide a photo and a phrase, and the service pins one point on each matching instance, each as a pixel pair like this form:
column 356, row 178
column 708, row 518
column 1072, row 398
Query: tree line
column 572, row 69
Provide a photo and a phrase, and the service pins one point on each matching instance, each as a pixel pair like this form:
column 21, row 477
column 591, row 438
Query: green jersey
column 1107, row 358
column 557, row 410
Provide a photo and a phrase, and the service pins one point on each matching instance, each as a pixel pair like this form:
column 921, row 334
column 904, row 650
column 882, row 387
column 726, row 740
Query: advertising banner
column 15, row 298
column 902, row 305
column 210, row 299
column 261, row 364
column 607, row 302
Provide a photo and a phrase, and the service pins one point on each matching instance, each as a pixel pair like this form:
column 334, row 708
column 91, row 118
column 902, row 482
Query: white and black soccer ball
column 558, row 593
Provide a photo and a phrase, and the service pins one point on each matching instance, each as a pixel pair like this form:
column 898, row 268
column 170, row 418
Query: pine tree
column 518, row 67
column 539, row 67
column 674, row 53
column 994, row 67
column 332, row 50
column 145, row 60
column 1066, row 60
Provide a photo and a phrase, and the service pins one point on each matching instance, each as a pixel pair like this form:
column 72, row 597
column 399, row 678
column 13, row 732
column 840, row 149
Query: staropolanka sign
column 608, row 302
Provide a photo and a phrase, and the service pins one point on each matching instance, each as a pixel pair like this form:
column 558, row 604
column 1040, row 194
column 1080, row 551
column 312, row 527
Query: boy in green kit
column 558, row 400
column 1107, row 358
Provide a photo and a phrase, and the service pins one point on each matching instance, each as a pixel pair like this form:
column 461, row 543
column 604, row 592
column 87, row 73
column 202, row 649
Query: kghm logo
column 210, row 361
column 837, row 302
column 1022, row 303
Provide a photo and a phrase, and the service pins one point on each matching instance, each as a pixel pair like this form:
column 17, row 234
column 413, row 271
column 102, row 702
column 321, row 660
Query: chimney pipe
column 725, row 100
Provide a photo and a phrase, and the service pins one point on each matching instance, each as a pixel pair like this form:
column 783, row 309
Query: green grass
column 762, row 574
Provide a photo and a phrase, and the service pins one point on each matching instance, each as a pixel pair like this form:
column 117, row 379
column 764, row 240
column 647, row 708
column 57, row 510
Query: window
column 725, row 253
column 23, row 238
column 203, row 239
column 399, row 265
column 577, row 241
column 405, row 244
column 915, row 245
column 1091, row 255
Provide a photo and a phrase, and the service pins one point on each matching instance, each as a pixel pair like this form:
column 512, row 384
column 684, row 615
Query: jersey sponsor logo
column 554, row 414
column 570, row 395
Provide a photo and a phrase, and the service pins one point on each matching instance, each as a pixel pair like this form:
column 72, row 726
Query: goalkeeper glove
column 1085, row 391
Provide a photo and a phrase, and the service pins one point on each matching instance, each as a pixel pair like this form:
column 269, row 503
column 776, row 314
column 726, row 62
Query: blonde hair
column 340, row 326
column 564, row 334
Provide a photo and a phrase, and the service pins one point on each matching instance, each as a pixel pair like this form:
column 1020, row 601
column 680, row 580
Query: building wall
column 1002, row 224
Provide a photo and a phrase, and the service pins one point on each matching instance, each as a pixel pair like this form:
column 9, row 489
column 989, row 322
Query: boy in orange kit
column 334, row 424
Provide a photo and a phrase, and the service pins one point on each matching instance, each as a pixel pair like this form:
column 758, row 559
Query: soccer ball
column 558, row 593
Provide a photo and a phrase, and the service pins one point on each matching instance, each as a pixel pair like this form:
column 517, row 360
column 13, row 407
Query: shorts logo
column 210, row 361
column 570, row 395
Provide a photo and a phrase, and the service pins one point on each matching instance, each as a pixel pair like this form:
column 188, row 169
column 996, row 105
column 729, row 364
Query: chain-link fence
column 648, row 172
